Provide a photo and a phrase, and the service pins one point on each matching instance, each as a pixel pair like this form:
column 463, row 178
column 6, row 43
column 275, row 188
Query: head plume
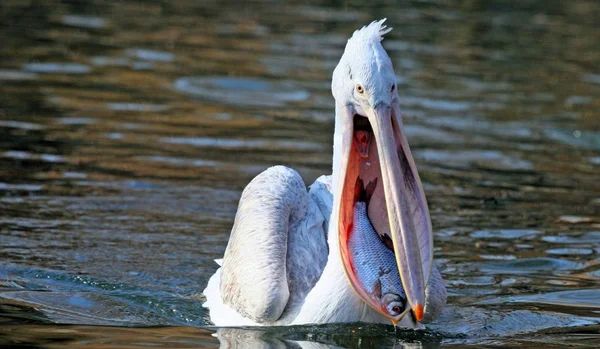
column 364, row 58
column 371, row 33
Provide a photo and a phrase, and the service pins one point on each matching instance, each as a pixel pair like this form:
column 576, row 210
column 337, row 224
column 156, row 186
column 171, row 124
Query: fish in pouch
column 375, row 266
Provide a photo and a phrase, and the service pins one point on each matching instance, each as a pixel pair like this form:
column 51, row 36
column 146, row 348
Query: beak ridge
column 401, row 187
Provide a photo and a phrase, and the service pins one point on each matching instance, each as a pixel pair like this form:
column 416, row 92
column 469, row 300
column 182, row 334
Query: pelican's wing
column 274, row 252
column 320, row 193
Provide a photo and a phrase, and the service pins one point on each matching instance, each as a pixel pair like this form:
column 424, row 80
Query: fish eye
column 395, row 308
column 360, row 89
column 393, row 87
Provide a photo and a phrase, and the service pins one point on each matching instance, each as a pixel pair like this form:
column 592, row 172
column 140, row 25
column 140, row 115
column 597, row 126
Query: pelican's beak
column 405, row 216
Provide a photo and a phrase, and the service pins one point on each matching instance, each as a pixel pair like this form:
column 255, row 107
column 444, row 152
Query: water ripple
column 570, row 251
column 242, row 91
column 592, row 237
column 57, row 68
column 20, row 187
column 180, row 161
column 511, row 234
column 587, row 298
column 75, row 121
column 151, row 55
column 226, row 143
column 526, row 266
column 136, row 107
column 575, row 138
column 80, row 21
column 16, row 75
column 23, row 155
column 489, row 159
column 21, row 125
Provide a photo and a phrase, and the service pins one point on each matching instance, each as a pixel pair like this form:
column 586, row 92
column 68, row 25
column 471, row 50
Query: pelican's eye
column 393, row 87
column 360, row 89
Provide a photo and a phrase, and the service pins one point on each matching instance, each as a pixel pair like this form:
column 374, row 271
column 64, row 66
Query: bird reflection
column 241, row 338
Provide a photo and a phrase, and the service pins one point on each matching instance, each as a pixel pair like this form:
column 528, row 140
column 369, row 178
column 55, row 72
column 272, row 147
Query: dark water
column 129, row 128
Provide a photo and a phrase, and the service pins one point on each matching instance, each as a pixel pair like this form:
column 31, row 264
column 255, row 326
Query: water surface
column 128, row 130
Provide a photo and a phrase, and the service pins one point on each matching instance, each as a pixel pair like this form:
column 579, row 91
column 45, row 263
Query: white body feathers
column 282, row 265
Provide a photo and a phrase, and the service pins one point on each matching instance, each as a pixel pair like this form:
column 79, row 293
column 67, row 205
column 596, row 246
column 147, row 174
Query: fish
column 375, row 265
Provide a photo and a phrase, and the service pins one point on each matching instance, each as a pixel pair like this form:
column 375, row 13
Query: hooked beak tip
column 418, row 311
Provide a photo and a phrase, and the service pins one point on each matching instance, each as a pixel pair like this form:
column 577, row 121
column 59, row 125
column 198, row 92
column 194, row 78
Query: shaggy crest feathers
column 364, row 59
column 366, row 44
column 372, row 32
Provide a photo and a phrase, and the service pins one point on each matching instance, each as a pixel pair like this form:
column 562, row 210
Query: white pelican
column 288, row 261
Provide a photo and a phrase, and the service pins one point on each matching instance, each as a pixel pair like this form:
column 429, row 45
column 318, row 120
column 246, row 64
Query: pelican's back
column 276, row 252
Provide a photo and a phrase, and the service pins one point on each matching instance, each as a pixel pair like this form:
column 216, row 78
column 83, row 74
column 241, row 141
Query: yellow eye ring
column 360, row 89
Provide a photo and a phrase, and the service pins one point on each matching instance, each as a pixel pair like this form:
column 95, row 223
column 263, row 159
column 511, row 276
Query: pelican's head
column 373, row 163
column 364, row 77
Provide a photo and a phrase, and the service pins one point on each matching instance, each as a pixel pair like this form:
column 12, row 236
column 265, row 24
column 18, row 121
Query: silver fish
column 375, row 265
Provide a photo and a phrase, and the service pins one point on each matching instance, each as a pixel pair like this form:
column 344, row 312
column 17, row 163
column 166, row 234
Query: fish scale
column 374, row 263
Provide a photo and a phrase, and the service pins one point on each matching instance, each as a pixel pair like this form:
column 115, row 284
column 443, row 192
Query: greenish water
column 129, row 128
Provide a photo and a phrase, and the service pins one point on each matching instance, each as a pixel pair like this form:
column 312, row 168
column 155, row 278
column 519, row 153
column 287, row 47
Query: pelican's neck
column 332, row 299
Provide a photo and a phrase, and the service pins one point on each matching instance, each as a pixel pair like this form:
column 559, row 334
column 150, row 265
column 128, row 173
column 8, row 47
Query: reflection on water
column 57, row 68
column 128, row 130
column 243, row 92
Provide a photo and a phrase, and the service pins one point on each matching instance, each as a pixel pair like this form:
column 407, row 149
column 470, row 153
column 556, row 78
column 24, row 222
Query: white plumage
column 319, row 293
column 282, row 264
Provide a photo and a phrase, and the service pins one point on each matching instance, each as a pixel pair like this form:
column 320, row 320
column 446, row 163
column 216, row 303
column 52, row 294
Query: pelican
column 288, row 261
